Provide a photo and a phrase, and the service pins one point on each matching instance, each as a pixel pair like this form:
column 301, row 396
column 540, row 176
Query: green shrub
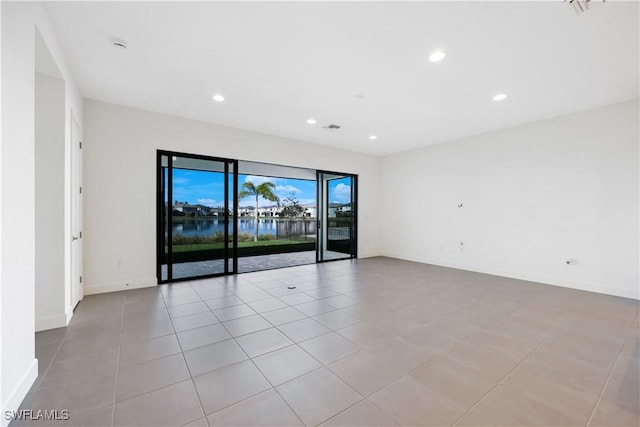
column 217, row 237
column 245, row 237
column 181, row 239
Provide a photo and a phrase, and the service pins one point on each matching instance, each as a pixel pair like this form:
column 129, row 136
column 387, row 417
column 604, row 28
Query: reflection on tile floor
column 373, row 341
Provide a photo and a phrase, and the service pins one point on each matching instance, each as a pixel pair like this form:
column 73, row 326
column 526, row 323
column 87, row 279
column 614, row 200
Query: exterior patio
column 245, row 264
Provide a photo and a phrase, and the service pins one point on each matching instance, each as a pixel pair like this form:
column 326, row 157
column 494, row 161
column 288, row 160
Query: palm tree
column 264, row 190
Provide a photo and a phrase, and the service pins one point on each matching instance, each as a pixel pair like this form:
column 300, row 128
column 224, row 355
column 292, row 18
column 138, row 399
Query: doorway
column 76, row 293
column 337, row 216
column 53, row 173
column 196, row 237
column 213, row 218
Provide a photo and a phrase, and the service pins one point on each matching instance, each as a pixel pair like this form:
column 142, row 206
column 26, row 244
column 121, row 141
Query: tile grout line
column 613, row 366
column 277, row 392
column 223, row 367
column 231, row 337
column 366, row 398
column 438, row 356
column 46, row 371
column 254, row 365
column 258, row 369
column 185, row 359
column 526, row 356
column 115, row 387
column 456, row 423
column 458, row 343
column 363, row 396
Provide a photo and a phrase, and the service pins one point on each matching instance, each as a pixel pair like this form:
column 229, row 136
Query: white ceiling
column 279, row 63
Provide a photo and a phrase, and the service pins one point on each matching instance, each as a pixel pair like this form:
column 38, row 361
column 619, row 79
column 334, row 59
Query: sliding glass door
column 197, row 204
column 337, row 216
column 204, row 229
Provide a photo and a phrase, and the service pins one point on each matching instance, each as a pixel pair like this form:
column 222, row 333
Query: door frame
column 76, row 291
column 229, row 255
column 322, row 214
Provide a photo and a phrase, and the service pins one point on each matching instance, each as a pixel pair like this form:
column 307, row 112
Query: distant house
column 310, row 211
column 344, row 208
column 333, row 208
column 196, row 210
column 186, row 209
column 219, row 211
column 339, row 209
column 274, row 211
column 246, row 211
column 269, row 211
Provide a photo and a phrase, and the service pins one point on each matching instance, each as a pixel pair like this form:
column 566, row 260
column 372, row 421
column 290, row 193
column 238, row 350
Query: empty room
column 421, row 213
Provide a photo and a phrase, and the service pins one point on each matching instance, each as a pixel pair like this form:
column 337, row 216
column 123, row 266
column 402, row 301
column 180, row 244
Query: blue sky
column 207, row 188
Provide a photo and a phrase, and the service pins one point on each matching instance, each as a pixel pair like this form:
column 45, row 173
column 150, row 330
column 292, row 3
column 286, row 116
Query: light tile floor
column 366, row 342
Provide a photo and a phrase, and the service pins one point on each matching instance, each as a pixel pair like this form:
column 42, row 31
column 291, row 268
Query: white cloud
column 257, row 180
column 287, row 189
column 341, row 193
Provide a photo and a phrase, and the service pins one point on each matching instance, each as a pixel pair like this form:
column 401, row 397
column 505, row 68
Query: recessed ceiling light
column 372, row 137
column 437, row 56
column 499, row 97
column 218, row 98
column 312, row 121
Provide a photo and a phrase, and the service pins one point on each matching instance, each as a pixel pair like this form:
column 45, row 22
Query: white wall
column 19, row 367
column 120, row 184
column 49, row 203
column 2, row 294
column 533, row 197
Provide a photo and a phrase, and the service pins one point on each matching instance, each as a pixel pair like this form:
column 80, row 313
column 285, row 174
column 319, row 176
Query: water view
column 208, row 226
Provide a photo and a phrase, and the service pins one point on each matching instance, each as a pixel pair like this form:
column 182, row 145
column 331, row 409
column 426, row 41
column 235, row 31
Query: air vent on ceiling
column 331, row 127
column 581, row 6
column 120, row 44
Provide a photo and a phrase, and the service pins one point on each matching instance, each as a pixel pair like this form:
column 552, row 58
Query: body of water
column 207, row 227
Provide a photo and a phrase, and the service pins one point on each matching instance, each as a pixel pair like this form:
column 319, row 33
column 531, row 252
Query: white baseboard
column 51, row 322
column 119, row 286
column 583, row 286
column 19, row 392
column 369, row 254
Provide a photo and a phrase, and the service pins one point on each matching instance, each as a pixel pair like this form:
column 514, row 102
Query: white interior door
column 76, row 214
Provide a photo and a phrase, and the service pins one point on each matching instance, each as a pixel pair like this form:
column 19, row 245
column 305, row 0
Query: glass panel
column 164, row 190
column 276, row 216
column 231, row 231
column 212, row 216
column 199, row 218
column 338, row 216
column 193, row 215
